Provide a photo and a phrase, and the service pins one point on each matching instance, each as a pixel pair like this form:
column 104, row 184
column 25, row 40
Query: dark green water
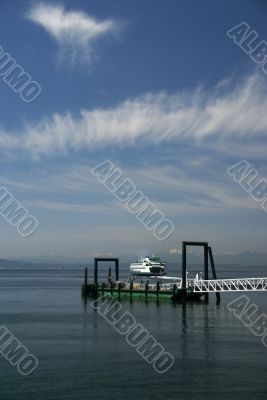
column 82, row 357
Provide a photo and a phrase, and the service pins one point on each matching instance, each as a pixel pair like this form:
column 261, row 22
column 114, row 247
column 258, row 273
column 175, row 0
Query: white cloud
column 78, row 208
column 227, row 121
column 174, row 251
column 74, row 31
column 184, row 192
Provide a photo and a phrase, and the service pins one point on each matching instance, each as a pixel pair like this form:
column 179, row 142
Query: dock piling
column 146, row 289
column 206, row 268
column 119, row 291
column 184, row 271
column 218, row 296
column 174, row 291
column 131, row 290
column 117, row 269
column 85, row 286
column 157, row 291
column 109, row 275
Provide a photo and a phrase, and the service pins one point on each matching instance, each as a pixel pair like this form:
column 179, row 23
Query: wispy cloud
column 186, row 191
column 74, row 31
column 196, row 117
column 77, row 208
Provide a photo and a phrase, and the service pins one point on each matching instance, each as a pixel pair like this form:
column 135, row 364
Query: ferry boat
column 148, row 266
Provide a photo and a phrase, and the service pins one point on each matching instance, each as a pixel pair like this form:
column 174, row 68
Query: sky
column 160, row 90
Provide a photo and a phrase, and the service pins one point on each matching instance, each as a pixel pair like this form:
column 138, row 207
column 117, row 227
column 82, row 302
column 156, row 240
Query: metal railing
column 228, row 285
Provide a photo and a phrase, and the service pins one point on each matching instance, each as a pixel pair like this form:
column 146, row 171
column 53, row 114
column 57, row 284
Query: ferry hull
column 143, row 273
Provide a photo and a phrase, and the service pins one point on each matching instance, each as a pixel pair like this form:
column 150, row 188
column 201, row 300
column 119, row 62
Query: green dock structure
column 133, row 291
column 181, row 292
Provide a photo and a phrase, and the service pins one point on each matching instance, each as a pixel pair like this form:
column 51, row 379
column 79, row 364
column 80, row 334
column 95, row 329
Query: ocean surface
column 82, row 357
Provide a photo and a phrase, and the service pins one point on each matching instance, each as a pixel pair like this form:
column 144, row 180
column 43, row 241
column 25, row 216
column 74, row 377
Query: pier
column 180, row 289
column 229, row 285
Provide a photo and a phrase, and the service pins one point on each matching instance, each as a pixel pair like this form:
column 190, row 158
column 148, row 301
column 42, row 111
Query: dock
column 179, row 290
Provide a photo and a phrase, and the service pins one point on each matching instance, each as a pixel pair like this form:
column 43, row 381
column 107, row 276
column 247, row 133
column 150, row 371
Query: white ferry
column 148, row 266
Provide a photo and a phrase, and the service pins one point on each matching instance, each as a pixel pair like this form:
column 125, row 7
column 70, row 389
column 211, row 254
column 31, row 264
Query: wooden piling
column 117, row 269
column 95, row 273
column 119, row 290
column 174, row 288
column 146, row 290
column 85, row 276
column 131, row 290
column 184, row 277
column 206, row 268
column 157, row 291
column 110, row 281
column 85, row 286
column 218, row 297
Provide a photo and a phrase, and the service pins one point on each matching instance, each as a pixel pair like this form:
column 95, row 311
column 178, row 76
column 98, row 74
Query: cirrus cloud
column 74, row 31
column 198, row 117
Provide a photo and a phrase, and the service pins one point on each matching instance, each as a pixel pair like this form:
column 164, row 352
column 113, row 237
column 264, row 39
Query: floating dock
column 145, row 291
column 179, row 290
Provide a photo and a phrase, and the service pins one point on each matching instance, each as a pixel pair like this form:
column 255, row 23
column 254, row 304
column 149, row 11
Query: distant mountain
column 244, row 258
column 30, row 265
column 11, row 263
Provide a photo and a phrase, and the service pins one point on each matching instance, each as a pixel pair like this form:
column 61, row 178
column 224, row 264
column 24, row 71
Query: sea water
column 81, row 356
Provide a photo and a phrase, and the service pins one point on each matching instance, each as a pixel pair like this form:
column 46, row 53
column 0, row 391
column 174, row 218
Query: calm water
column 82, row 357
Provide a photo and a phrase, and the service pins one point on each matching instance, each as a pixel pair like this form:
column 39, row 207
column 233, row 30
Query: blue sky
column 158, row 88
